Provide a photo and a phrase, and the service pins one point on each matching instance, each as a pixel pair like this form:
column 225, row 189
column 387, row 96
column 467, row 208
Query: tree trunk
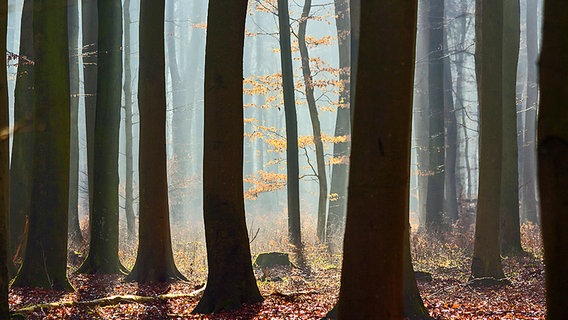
column 23, row 139
column 75, row 235
column 553, row 155
column 316, row 126
column 292, row 166
column 434, row 219
column 45, row 259
column 510, row 226
column 337, row 206
column 230, row 281
column 486, row 260
column 4, row 170
column 529, row 155
column 413, row 305
column 128, row 141
column 155, row 261
column 103, row 224
column 377, row 211
column 90, row 52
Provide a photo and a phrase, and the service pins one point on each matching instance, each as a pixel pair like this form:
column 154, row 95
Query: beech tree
column 292, row 166
column 372, row 272
column 154, row 261
column 553, row 155
column 103, row 223
column 486, row 260
column 4, row 170
column 22, row 144
column 230, row 280
column 45, row 259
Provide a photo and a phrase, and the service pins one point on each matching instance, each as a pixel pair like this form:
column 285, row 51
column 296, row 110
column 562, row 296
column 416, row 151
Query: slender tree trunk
column 553, row 155
column 230, row 281
column 45, row 259
column 75, row 235
column 337, row 205
column 128, row 141
column 377, row 211
column 420, row 106
column 155, row 261
column 486, row 260
column 4, row 170
column 510, row 226
column 103, row 225
column 316, row 126
column 23, row 139
column 529, row 156
column 292, row 166
column 435, row 195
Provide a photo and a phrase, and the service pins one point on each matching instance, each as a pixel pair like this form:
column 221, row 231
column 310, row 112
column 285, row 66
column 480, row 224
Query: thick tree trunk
column 90, row 51
column 155, row 261
column 230, row 281
column 75, row 235
column 23, row 139
column 434, row 218
column 316, row 126
column 337, row 205
column 377, row 211
column 486, row 260
column 4, row 171
column 510, row 226
column 45, row 259
column 553, row 155
column 292, row 166
column 103, row 224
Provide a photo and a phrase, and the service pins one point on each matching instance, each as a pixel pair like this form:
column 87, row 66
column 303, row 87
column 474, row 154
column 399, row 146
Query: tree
column 154, row 261
column 316, row 126
column 372, row 273
column 230, row 281
column 22, row 144
column 436, row 143
column 4, row 169
column 75, row 235
column 128, row 176
column 45, row 259
column 510, row 225
column 292, row 166
column 486, row 260
column 340, row 168
column 553, row 155
column 103, row 224
column 90, row 28
column 529, row 190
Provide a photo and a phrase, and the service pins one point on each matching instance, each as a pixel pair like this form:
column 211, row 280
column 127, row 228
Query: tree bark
column 75, row 235
column 434, row 218
column 314, row 117
column 486, row 260
column 103, row 225
column 292, row 166
column 377, row 211
column 22, row 144
column 230, row 281
column 337, row 206
column 128, row 141
column 45, row 259
column 553, row 155
column 155, row 261
column 4, row 170
column 510, row 225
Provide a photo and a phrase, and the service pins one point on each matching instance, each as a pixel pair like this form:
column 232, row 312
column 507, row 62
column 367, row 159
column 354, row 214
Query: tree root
column 108, row 301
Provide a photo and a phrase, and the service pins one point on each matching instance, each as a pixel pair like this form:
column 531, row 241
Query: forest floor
column 291, row 293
